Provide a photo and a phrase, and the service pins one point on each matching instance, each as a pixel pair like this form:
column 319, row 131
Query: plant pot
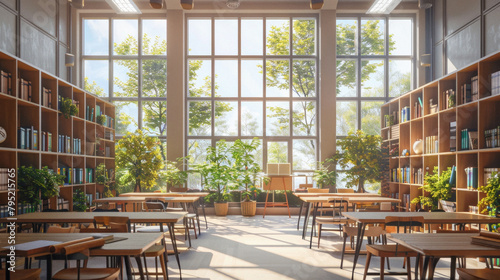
column 248, row 208
column 221, row 208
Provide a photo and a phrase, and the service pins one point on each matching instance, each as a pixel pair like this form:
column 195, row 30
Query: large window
column 125, row 60
column 253, row 77
column 375, row 62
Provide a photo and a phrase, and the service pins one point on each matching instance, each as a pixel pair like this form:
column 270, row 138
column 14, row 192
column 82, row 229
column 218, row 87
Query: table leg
column 417, row 265
column 361, row 233
column 300, row 213
column 139, row 266
column 195, row 209
column 432, row 267
column 453, row 267
column 265, row 206
column 203, row 210
column 174, row 244
column 424, row 269
column 306, row 220
column 313, row 224
column 49, row 266
column 128, row 267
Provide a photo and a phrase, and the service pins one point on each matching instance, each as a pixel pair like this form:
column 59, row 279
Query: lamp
column 425, row 60
column 232, row 4
column 424, row 4
column 316, row 4
column 156, row 4
column 383, row 6
column 124, row 6
column 69, row 60
column 187, row 4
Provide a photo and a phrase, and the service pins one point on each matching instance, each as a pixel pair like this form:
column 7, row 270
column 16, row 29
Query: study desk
column 45, row 218
column 134, row 245
column 124, row 200
column 433, row 246
column 365, row 218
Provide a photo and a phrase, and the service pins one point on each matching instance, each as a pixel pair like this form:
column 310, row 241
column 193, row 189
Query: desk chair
column 105, row 221
column 352, row 231
column 394, row 250
column 23, row 274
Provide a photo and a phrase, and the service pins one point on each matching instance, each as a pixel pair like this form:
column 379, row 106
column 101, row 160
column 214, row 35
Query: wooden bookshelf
column 474, row 109
column 41, row 113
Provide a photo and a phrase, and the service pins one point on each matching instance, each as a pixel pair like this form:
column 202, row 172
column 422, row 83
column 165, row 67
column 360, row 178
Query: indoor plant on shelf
column 438, row 186
column 218, row 175
column 247, row 172
column 102, row 178
column 491, row 202
column 68, row 108
column 35, row 185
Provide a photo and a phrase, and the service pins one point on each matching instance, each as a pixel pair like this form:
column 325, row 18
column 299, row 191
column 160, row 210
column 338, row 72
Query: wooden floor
column 236, row 247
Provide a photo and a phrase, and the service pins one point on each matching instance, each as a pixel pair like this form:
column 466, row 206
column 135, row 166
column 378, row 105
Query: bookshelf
column 36, row 109
column 463, row 132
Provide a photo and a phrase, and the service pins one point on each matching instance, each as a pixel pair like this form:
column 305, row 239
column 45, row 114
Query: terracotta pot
column 221, row 208
column 248, row 208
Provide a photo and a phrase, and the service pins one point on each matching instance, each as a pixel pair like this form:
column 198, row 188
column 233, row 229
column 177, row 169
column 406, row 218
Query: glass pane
column 251, row 37
column 226, row 36
column 197, row 150
column 304, row 154
column 258, row 153
column 372, row 78
column 226, row 118
column 200, row 118
column 347, row 34
column 154, row 117
column 346, row 78
column 154, row 78
column 277, row 78
column 372, row 37
column 304, row 36
column 226, row 78
column 278, row 119
column 278, row 36
column 96, row 77
column 370, row 117
column 125, row 33
column 251, row 78
column 200, row 78
column 96, row 36
column 199, row 36
column 126, row 117
column 304, row 118
column 304, row 78
column 125, row 78
column 154, row 34
column 400, row 36
column 277, row 152
column 347, row 117
column 400, row 77
column 251, row 119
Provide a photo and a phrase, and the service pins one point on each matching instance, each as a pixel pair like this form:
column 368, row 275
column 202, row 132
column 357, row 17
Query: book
column 21, row 138
column 490, row 239
column 35, row 139
column 453, row 176
column 473, row 142
column 49, row 142
column 453, row 136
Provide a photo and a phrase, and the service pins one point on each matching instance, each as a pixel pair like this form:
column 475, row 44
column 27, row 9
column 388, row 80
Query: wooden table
column 365, row 218
column 45, row 218
column 434, row 246
column 370, row 199
column 133, row 246
column 300, row 195
column 141, row 199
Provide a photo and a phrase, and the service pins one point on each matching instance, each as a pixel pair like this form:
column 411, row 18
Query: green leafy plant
column 79, row 201
column 491, row 201
column 174, row 175
column 102, row 178
column 101, row 119
column 37, row 184
column 68, row 109
column 360, row 155
column 140, row 155
column 438, row 187
column 325, row 174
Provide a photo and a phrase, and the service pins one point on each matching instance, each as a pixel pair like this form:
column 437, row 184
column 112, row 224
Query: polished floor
column 236, row 247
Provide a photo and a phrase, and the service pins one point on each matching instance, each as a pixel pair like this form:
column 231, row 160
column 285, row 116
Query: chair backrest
column 53, row 210
column 106, row 210
column 406, row 222
column 343, row 190
column 448, row 206
column 112, row 228
column 57, row 229
column 305, row 186
column 155, row 206
column 314, row 190
column 178, row 189
column 106, row 220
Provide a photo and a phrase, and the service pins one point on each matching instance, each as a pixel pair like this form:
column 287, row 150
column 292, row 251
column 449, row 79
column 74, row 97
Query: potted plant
column 491, row 202
column 35, row 185
column 101, row 119
column 68, row 108
column 217, row 175
column 174, row 175
column 79, row 201
column 102, row 178
column 247, row 172
column 438, row 187
column 360, row 155
column 325, row 174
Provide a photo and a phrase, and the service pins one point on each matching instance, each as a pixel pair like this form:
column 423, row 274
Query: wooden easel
column 278, row 183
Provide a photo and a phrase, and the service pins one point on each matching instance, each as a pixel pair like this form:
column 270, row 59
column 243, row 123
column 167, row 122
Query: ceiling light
column 187, row 4
column 124, row 6
column 424, row 4
column 156, row 4
column 232, row 4
column 316, row 4
column 383, row 6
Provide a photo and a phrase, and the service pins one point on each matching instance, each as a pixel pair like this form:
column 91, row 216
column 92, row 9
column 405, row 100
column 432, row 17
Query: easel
column 278, row 183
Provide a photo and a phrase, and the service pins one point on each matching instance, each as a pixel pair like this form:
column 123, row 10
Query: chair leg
column 367, row 265
column 319, row 233
column 163, row 267
column 382, row 260
column 343, row 251
column 408, row 267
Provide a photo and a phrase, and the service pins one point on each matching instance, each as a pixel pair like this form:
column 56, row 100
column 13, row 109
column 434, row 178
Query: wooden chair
column 352, row 231
column 478, row 274
column 80, row 251
column 57, row 229
column 344, row 190
column 23, row 274
column 394, row 250
column 178, row 189
column 331, row 220
column 104, row 221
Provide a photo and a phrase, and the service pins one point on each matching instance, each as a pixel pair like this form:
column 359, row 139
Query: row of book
column 71, row 175
column 5, row 82
column 468, row 139
column 46, row 141
column 109, row 135
column 405, row 114
column 470, row 92
column 27, row 138
column 89, row 114
column 472, row 179
column 109, row 122
column 431, row 144
column 400, row 175
column 449, row 99
column 25, row 89
column 390, row 119
column 495, row 83
column 488, row 173
column 418, row 108
column 4, row 179
column 492, row 137
column 46, row 97
column 406, row 201
column 418, row 176
column 453, row 136
column 89, row 198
